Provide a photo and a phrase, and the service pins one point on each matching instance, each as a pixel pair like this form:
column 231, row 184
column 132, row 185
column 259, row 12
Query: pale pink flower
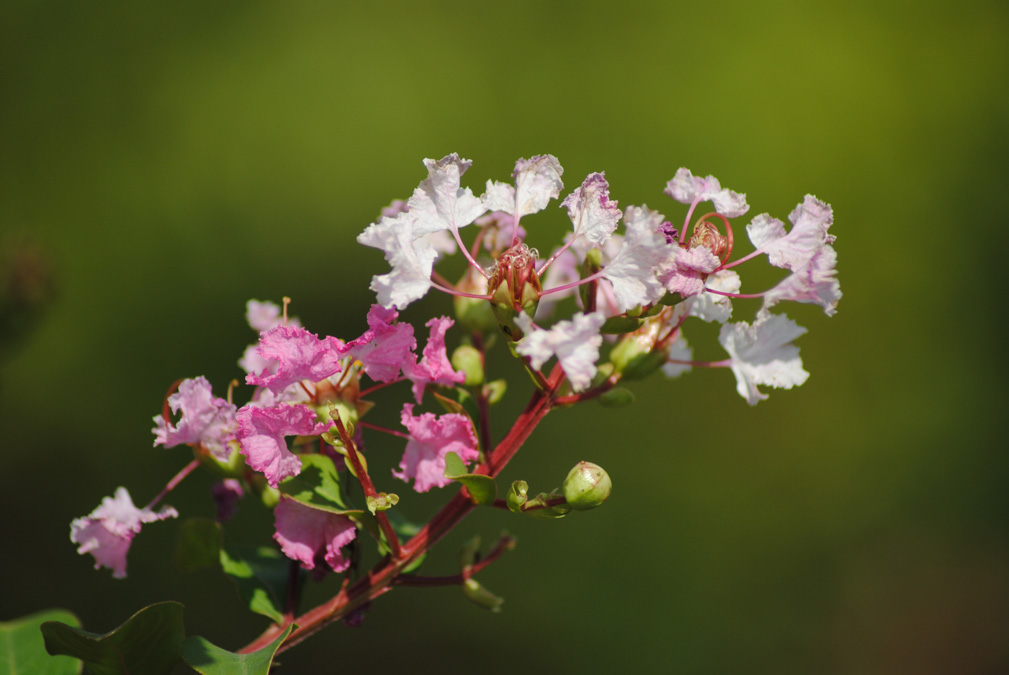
column 411, row 255
column 431, row 438
column 299, row 355
column 434, row 367
column 261, row 433
column 763, row 354
column 439, row 202
column 592, row 212
column 107, row 532
column 312, row 536
column 793, row 250
column 205, row 420
column 688, row 269
column 575, row 344
column 686, row 188
column 814, row 282
column 386, row 347
column 633, row 271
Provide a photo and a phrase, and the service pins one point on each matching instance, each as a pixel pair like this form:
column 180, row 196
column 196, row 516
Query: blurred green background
column 161, row 164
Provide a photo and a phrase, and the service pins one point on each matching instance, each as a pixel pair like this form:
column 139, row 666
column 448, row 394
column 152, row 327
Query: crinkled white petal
column 411, row 258
column 537, row 181
column 679, row 350
column 439, row 202
column 593, row 214
column 686, row 188
column 815, row 282
column 633, row 271
column 711, row 306
column 763, row 354
column 794, row 249
column 575, row 344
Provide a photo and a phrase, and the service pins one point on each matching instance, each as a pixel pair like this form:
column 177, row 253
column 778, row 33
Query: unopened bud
column 617, row 398
column 469, row 360
column 587, row 486
column 635, row 355
column 708, row 236
column 517, row 495
column 473, row 314
column 515, row 287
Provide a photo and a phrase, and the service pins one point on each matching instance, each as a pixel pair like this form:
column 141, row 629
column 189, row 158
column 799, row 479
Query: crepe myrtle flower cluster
column 629, row 295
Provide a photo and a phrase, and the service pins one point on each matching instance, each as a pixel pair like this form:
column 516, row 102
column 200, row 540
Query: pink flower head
column 431, row 438
column 686, row 188
column 109, row 530
column 575, row 343
column 690, row 267
column 299, row 355
column 386, row 347
column 434, row 367
column 261, row 433
column 312, row 536
column 205, row 420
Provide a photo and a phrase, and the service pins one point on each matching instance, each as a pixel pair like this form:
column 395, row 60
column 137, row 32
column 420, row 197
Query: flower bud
column 587, row 486
column 634, row 357
column 469, row 360
column 473, row 314
column 515, row 287
column 617, row 398
column 517, row 495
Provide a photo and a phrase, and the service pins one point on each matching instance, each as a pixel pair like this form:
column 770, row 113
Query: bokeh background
column 161, row 164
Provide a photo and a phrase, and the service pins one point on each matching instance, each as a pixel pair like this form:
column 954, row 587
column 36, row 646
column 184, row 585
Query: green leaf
column 147, row 643
column 317, row 486
column 481, row 487
column 261, row 576
column 23, row 651
column 198, row 544
column 207, row 658
column 616, row 325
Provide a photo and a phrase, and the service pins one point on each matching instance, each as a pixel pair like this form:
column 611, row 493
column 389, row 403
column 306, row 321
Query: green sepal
column 495, row 391
column 317, row 486
column 382, row 502
column 261, row 576
column 618, row 325
column 198, row 544
column 617, row 397
column 468, row 360
column 481, row 596
column 23, row 650
column 643, row 365
column 671, row 299
column 558, row 511
column 208, row 659
column 148, row 642
column 482, row 488
column 469, row 554
column 517, row 496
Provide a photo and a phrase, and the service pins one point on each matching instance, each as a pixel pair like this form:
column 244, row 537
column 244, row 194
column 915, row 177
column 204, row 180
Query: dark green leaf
column 261, row 576
column 23, row 651
column 147, row 643
column 481, row 487
column 209, row 659
column 615, row 325
column 198, row 544
column 317, row 486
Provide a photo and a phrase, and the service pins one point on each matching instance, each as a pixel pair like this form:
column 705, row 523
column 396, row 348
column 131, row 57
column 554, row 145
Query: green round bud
column 587, row 486
column 469, row 360
column 617, row 398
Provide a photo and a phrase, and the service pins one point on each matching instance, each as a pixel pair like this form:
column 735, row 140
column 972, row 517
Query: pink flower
column 299, row 355
column 386, row 347
column 690, row 267
column 435, row 367
column 261, row 433
column 312, row 536
column 205, row 420
column 431, row 438
column 109, row 530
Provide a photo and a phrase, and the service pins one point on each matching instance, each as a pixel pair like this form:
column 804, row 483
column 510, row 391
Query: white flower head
column 593, row 214
column 411, row 257
column 763, row 354
column 575, row 344
column 793, row 250
column 439, row 202
column 633, row 270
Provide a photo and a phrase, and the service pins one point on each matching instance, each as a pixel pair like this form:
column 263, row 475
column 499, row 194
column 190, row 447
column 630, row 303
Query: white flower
column 633, row 270
column 537, row 181
column 687, row 189
column 411, row 257
column 575, row 344
column 593, row 214
column 439, row 203
column 764, row 354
